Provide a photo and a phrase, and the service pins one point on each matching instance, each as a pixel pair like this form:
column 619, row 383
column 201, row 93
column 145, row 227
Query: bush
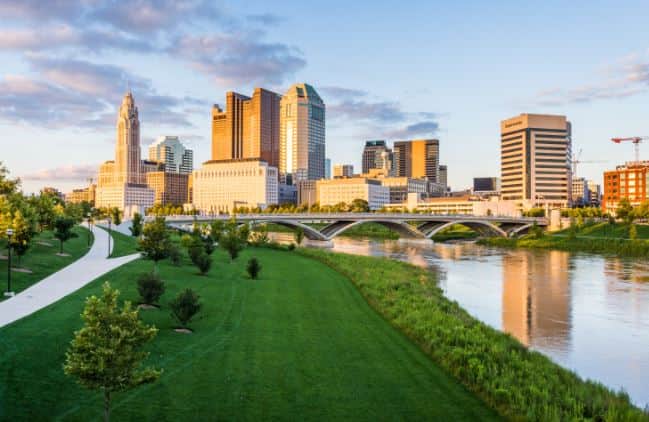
column 203, row 262
column 150, row 287
column 291, row 246
column 253, row 268
column 185, row 306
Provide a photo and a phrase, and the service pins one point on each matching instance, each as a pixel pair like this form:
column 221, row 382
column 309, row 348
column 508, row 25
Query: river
column 589, row 313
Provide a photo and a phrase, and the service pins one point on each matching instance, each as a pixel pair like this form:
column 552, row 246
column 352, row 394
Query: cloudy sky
column 386, row 70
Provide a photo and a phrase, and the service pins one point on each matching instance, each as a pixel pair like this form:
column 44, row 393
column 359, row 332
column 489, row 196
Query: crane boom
column 636, row 140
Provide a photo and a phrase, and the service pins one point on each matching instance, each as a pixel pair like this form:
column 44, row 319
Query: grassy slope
column 124, row 245
column 42, row 260
column 610, row 231
column 300, row 343
column 522, row 384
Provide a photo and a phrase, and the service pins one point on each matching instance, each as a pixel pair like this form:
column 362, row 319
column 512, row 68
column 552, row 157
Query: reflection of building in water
column 616, row 269
column 536, row 298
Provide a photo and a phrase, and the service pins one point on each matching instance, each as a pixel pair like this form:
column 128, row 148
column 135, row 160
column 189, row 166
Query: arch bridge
column 413, row 226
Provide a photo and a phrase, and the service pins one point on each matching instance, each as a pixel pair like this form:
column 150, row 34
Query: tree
column 203, row 262
column 21, row 239
column 216, row 229
column 299, row 235
column 360, row 205
column 150, row 287
column 624, row 211
column 155, row 242
column 185, row 306
column 234, row 238
column 136, row 225
column 253, row 268
column 7, row 186
column 63, row 230
column 633, row 232
column 106, row 354
column 115, row 215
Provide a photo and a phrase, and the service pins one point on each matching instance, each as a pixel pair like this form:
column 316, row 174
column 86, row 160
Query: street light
column 109, row 236
column 9, row 293
column 88, row 217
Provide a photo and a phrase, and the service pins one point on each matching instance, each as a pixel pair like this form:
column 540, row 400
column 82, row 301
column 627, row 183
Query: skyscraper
column 247, row 128
column 442, row 175
column 417, row 158
column 302, row 134
column 374, row 155
column 327, row 168
column 343, row 170
column 121, row 182
column 173, row 154
column 535, row 152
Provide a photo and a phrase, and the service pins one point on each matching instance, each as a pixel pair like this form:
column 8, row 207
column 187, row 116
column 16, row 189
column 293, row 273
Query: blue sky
column 391, row 70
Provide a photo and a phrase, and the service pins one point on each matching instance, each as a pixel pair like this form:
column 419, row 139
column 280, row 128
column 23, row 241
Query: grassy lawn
column 123, row 244
column 610, row 231
column 456, row 231
column 371, row 230
column 301, row 343
column 41, row 259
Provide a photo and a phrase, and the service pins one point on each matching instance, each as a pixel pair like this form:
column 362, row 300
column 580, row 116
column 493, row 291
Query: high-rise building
column 443, row 175
column 173, row 154
column 302, row 134
column 486, row 184
column 417, row 158
column 375, row 154
column 122, row 182
column 327, row 168
column 535, row 159
column 629, row 181
column 343, row 170
column 247, row 128
column 169, row 187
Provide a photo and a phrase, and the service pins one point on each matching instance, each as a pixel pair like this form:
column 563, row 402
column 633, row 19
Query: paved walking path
column 63, row 282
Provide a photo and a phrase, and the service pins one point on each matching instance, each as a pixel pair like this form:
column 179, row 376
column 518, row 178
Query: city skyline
column 61, row 101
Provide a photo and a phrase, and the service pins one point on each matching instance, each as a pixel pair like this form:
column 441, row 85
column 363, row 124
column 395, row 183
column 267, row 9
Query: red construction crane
column 636, row 143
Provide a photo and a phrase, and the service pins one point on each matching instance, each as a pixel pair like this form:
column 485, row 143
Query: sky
column 386, row 70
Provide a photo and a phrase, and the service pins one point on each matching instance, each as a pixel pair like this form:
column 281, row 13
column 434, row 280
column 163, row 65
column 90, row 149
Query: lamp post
column 109, row 236
column 89, row 228
column 9, row 293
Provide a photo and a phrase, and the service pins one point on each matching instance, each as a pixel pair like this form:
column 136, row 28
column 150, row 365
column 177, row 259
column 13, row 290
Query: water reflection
column 588, row 313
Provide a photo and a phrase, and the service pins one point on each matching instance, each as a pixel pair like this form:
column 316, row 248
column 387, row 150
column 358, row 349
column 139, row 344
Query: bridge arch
column 482, row 227
column 404, row 229
column 309, row 232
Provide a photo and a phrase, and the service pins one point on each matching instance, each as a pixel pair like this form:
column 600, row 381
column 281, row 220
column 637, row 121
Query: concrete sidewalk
column 63, row 282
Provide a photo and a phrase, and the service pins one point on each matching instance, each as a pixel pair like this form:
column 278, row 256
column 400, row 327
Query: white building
column 170, row 151
column 333, row 191
column 219, row 186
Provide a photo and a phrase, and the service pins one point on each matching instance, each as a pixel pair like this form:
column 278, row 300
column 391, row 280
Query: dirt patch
column 183, row 330
column 62, row 254
column 22, row 270
column 44, row 243
column 146, row 306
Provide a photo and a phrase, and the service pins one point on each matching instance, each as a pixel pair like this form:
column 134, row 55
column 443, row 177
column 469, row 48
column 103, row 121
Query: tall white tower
column 128, row 166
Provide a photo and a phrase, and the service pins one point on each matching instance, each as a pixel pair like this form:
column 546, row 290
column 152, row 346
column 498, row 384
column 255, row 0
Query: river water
column 589, row 313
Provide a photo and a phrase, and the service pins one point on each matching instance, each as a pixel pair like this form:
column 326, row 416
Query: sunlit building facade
column 334, row 191
column 169, row 151
column 630, row 181
column 417, row 159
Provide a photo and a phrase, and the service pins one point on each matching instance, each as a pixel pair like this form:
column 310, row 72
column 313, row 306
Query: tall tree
column 155, row 242
column 63, row 230
column 106, row 354
column 21, row 239
column 7, row 186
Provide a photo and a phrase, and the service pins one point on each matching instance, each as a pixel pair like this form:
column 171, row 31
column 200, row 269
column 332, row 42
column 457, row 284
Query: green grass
column 609, row 231
column 42, row 260
column 371, row 230
column 521, row 384
column 455, row 232
column 300, row 343
column 123, row 244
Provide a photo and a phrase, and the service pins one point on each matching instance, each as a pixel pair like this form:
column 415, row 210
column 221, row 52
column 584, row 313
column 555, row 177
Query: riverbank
column 298, row 343
column 520, row 383
column 590, row 243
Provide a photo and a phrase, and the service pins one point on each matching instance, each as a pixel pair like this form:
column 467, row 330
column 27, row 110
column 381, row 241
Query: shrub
column 185, row 306
column 150, row 287
column 291, row 246
column 253, row 268
column 208, row 244
column 203, row 262
column 174, row 255
column 299, row 235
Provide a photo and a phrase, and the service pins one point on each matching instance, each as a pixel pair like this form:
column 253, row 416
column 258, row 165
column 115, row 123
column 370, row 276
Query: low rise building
column 306, row 192
column 82, row 195
column 343, row 170
column 628, row 181
column 219, row 186
column 469, row 205
column 595, row 190
column 335, row 191
column 580, row 192
column 400, row 187
column 169, row 188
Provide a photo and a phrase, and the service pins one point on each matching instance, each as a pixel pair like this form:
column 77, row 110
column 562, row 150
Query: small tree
column 185, row 306
column 63, row 230
column 150, row 287
column 624, row 211
column 203, row 262
column 233, row 239
column 21, row 239
column 115, row 215
column 136, row 225
column 174, row 254
column 106, row 354
column 155, row 242
column 299, row 235
column 253, row 268
column 633, row 232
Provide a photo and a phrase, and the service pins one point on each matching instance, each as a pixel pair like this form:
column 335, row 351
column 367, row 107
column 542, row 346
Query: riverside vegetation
column 521, row 384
